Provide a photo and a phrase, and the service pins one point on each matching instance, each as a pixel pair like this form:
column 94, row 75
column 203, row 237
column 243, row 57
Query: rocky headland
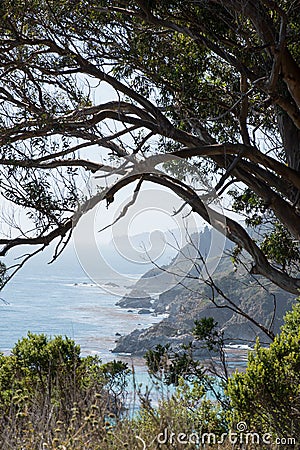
column 192, row 300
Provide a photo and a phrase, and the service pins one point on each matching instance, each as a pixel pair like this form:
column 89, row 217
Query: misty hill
column 190, row 300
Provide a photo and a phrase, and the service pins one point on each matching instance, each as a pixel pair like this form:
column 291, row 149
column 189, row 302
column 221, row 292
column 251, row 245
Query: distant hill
column 185, row 304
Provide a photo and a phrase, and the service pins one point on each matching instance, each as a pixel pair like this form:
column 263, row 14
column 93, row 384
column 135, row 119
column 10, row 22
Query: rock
column 164, row 300
column 139, row 342
column 144, row 311
column 184, row 306
column 118, row 334
column 187, row 307
column 136, row 299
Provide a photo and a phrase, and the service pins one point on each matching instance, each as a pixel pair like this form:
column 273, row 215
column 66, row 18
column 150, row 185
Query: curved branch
column 232, row 230
column 78, row 120
column 38, row 240
column 235, row 232
column 250, row 152
column 283, row 210
column 89, row 165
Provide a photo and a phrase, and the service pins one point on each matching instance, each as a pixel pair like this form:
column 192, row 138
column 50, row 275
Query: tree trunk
column 290, row 135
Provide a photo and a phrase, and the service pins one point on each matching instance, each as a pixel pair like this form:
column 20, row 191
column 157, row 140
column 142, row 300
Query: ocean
column 60, row 299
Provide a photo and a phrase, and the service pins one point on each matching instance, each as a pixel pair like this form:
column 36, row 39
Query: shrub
column 179, row 422
column 267, row 395
column 48, row 393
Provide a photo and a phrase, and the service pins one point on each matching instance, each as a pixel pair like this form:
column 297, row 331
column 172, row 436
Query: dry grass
column 98, row 423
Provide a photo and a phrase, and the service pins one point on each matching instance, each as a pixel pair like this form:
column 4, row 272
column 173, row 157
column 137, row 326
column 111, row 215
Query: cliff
column 191, row 300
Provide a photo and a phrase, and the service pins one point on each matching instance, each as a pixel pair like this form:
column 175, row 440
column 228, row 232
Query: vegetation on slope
column 51, row 398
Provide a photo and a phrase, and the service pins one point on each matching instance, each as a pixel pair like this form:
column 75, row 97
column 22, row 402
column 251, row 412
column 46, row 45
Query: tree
column 266, row 396
column 173, row 367
column 44, row 382
column 212, row 82
column 53, row 369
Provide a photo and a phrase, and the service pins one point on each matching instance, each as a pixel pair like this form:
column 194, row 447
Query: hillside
column 190, row 300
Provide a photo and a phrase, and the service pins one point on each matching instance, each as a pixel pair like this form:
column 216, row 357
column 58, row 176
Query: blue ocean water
column 60, row 299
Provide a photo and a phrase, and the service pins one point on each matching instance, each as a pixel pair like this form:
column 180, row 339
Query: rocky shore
column 183, row 305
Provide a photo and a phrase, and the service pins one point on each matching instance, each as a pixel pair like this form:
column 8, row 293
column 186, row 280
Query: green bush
column 185, row 415
column 267, row 395
column 52, row 398
column 49, row 393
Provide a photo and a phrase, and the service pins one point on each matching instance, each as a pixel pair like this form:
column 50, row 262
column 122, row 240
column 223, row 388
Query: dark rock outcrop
column 185, row 306
column 144, row 311
column 136, row 299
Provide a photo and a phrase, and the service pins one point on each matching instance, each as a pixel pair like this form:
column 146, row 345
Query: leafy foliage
column 214, row 83
column 206, row 330
column 45, row 379
column 280, row 247
column 277, row 243
column 187, row 411
column 250, row 205
column 267, row 395
column 172, row 366
column 3, row 275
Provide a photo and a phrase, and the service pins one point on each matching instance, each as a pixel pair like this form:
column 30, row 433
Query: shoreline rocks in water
column 185, row 306
column 136, row 299
column 110, row 284
column 139, row 342
column 144, row 311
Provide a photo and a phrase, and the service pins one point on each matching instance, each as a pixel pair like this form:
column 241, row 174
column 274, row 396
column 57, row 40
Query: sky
column 153, row 228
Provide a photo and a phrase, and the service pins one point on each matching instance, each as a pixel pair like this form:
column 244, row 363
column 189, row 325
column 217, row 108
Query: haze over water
column 61, row 299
